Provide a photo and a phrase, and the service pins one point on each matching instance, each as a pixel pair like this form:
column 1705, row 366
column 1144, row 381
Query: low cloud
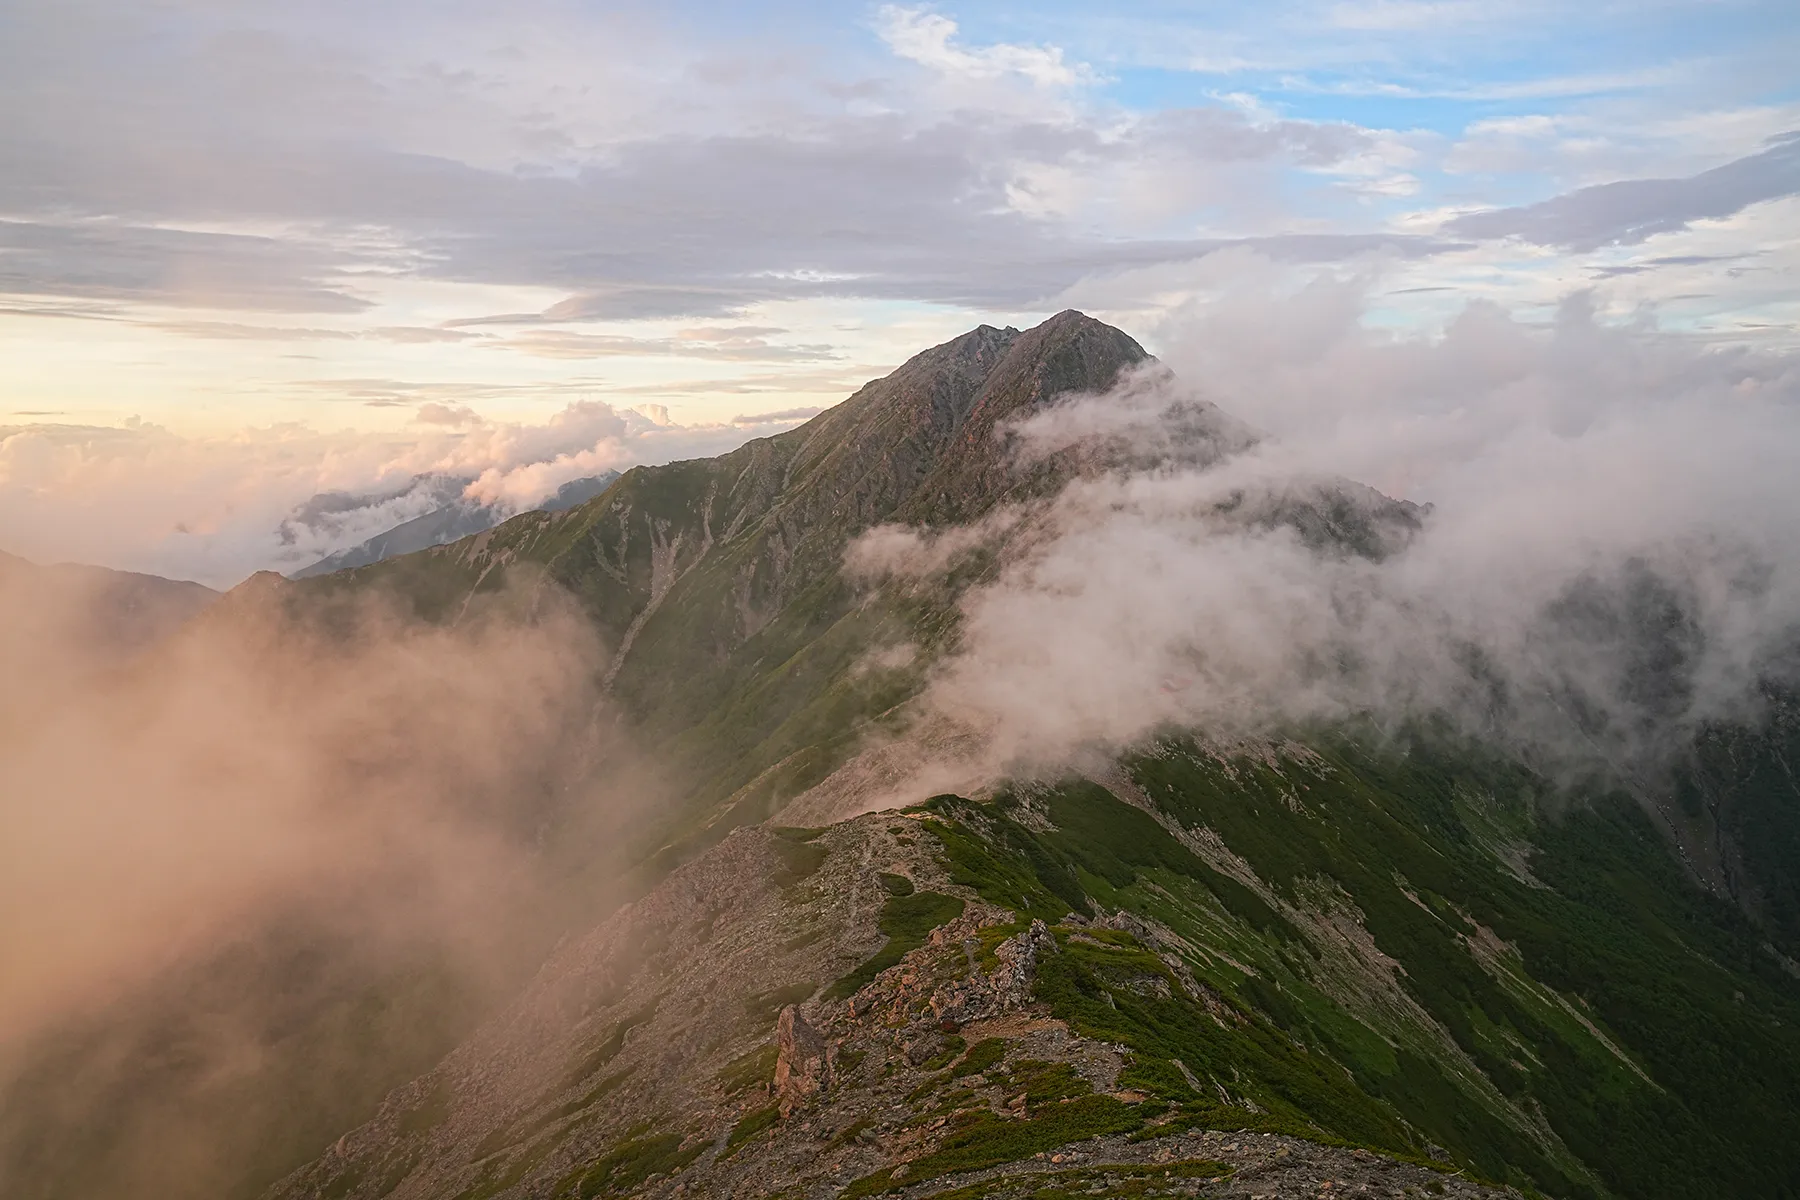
column 785, row 414
column 1608, row 562
column 208, row 849
column 216, row 508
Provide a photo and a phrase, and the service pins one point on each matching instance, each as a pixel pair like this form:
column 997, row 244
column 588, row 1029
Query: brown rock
column 802, row 1061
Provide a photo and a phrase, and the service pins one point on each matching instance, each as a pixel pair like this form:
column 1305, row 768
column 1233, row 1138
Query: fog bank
column 257, row 873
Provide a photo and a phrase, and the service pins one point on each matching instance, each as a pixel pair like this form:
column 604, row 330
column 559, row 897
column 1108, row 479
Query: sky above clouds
column 284, row 248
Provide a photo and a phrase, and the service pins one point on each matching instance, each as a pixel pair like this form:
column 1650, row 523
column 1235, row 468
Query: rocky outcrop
column 802, row 1061
column 1018, row 963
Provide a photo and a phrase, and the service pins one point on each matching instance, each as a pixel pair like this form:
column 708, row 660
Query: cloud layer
column 215, row 509
column 1609, row 559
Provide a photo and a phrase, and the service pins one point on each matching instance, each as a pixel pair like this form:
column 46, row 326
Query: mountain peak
column 1069, row 353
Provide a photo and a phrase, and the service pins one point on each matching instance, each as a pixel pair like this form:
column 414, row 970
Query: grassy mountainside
column 1417, row 948
column 1549, row 999
column 1221, row 958
column 1395, row 962
column 813, row 1013
column 719, row 582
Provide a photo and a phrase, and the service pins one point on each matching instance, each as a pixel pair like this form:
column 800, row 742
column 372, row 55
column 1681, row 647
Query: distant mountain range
column 106, row 612
column 455, row 517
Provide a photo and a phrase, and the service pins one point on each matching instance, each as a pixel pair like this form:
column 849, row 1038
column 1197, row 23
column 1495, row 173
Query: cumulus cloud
column 216, row 508
column 1608, row 561
column 929, row 39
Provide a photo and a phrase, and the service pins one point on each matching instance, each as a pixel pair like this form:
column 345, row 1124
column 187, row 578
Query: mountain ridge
column 703, row 575
column 1398, row 905
column 447, row 523
column 1390, row 957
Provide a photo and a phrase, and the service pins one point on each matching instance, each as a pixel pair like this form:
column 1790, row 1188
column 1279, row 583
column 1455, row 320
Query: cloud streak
column 1633, row 210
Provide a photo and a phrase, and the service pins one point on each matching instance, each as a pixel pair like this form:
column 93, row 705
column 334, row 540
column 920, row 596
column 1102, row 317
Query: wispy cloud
column 1630, row 211
column 721, row 344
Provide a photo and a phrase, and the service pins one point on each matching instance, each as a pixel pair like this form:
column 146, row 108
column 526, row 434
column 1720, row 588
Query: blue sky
column 340, row 242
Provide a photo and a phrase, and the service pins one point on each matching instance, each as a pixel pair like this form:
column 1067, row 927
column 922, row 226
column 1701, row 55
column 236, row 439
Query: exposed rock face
column 802, row 1061
column 1018, row 963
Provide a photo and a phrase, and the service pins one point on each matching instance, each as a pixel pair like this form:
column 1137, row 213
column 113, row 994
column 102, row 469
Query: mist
column 217, row 506
column 277, row 862
column 1597, row 558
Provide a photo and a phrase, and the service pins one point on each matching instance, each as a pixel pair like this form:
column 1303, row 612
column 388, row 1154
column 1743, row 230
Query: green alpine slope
column 1549, row 999
column 1374, row 947
column 1432, row 950
column 719, row 583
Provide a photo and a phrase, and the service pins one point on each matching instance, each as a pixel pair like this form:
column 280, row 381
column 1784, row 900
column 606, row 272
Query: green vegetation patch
column 1097, row 988
column 609, row 1049
column 982, row 1139
column 798, row 860
column 981, row 1056
column 629, row 1165
column 988, row 941
column 1044, row 1082
column 748, row 1126
column 907, row 921
column 895, row 885
column 953, row 1048
column 749, row 1069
